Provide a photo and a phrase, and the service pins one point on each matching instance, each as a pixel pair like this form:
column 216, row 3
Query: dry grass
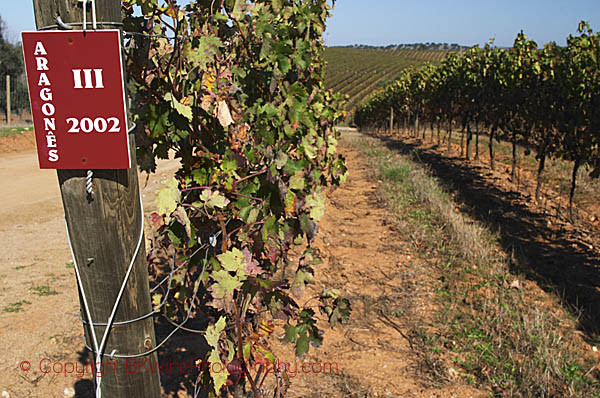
column 505, row 332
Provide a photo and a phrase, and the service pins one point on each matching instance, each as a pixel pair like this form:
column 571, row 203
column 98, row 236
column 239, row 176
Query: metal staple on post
column 89, row 181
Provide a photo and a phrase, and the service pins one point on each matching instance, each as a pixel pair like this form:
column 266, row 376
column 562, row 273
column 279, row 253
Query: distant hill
column 359, row 71
column 410, row 46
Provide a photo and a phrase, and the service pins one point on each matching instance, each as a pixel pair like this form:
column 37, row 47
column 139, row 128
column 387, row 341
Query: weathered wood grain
column 104, row 231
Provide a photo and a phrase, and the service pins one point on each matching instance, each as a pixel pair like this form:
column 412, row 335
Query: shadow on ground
column 553, row 257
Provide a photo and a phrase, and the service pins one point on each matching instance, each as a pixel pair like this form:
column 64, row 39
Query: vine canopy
column 234, row 90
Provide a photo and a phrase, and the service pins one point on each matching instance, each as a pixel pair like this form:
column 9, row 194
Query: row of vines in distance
column 546, row 99
column 358, row 72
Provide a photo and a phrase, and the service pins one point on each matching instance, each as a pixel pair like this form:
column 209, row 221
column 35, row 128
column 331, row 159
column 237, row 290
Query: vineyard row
column 545, row 99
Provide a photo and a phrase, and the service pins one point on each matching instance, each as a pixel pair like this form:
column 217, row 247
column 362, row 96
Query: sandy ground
column 372, row 262
column 34, row 254
column 364, row 256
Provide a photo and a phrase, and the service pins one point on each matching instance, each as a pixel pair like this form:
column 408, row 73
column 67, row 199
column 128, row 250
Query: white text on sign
column 48, row 108
column 87, row 78
column 99, row 125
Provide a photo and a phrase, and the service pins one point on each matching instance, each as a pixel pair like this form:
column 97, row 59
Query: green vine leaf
column 297, row 181
column 303, row 276
column 316, row 203
column 183, row 110
column 336, row 308
column 218, row 371
column 213, row 332
column 302, row 344
column 238, row 9
column 233, row 261
column 167, row 197
column 225, row 284
column 304, row 333
column 308, row 145
column 205, row 51
column 213, row 199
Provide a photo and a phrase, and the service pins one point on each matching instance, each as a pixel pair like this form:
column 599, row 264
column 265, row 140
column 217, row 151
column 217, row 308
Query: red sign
column 77, row 99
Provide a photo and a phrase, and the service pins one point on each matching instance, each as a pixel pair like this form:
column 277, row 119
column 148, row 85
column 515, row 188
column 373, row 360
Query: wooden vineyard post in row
column 104, row 229
column 8, row 116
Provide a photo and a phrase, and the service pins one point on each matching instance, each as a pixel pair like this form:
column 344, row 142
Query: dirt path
column 374, row 265
column 34, row 254
column 38, row 296
column 365, row 256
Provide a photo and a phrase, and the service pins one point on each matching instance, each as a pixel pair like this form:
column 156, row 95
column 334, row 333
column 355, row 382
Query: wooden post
column 104, row 230
column 417, row 125
column 391, row 119
column 8, row 100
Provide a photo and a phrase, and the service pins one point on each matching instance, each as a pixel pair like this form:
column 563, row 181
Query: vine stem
column 263, row 171
column 247, row 196
column 197, row 188
column 240, row 353
column 310, row 299
column 225, row 241
column 197, row 209
column 244, row 226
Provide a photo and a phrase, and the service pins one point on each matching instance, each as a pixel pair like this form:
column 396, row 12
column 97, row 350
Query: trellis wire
column 99, row 350
column 70, row 25
column 189, row 312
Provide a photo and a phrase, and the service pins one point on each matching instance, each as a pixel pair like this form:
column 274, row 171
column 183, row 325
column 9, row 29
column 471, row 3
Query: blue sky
column 467, row 22
column 382, row 22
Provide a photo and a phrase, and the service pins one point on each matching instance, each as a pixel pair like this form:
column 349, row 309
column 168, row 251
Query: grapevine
column 234, row 89
column 545, row 99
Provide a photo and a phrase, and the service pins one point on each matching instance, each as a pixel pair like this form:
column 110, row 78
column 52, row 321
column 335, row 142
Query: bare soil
column 17, row 142
column 365, row 256
column 375, row 265
column 560, row 254
column 38, row 293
